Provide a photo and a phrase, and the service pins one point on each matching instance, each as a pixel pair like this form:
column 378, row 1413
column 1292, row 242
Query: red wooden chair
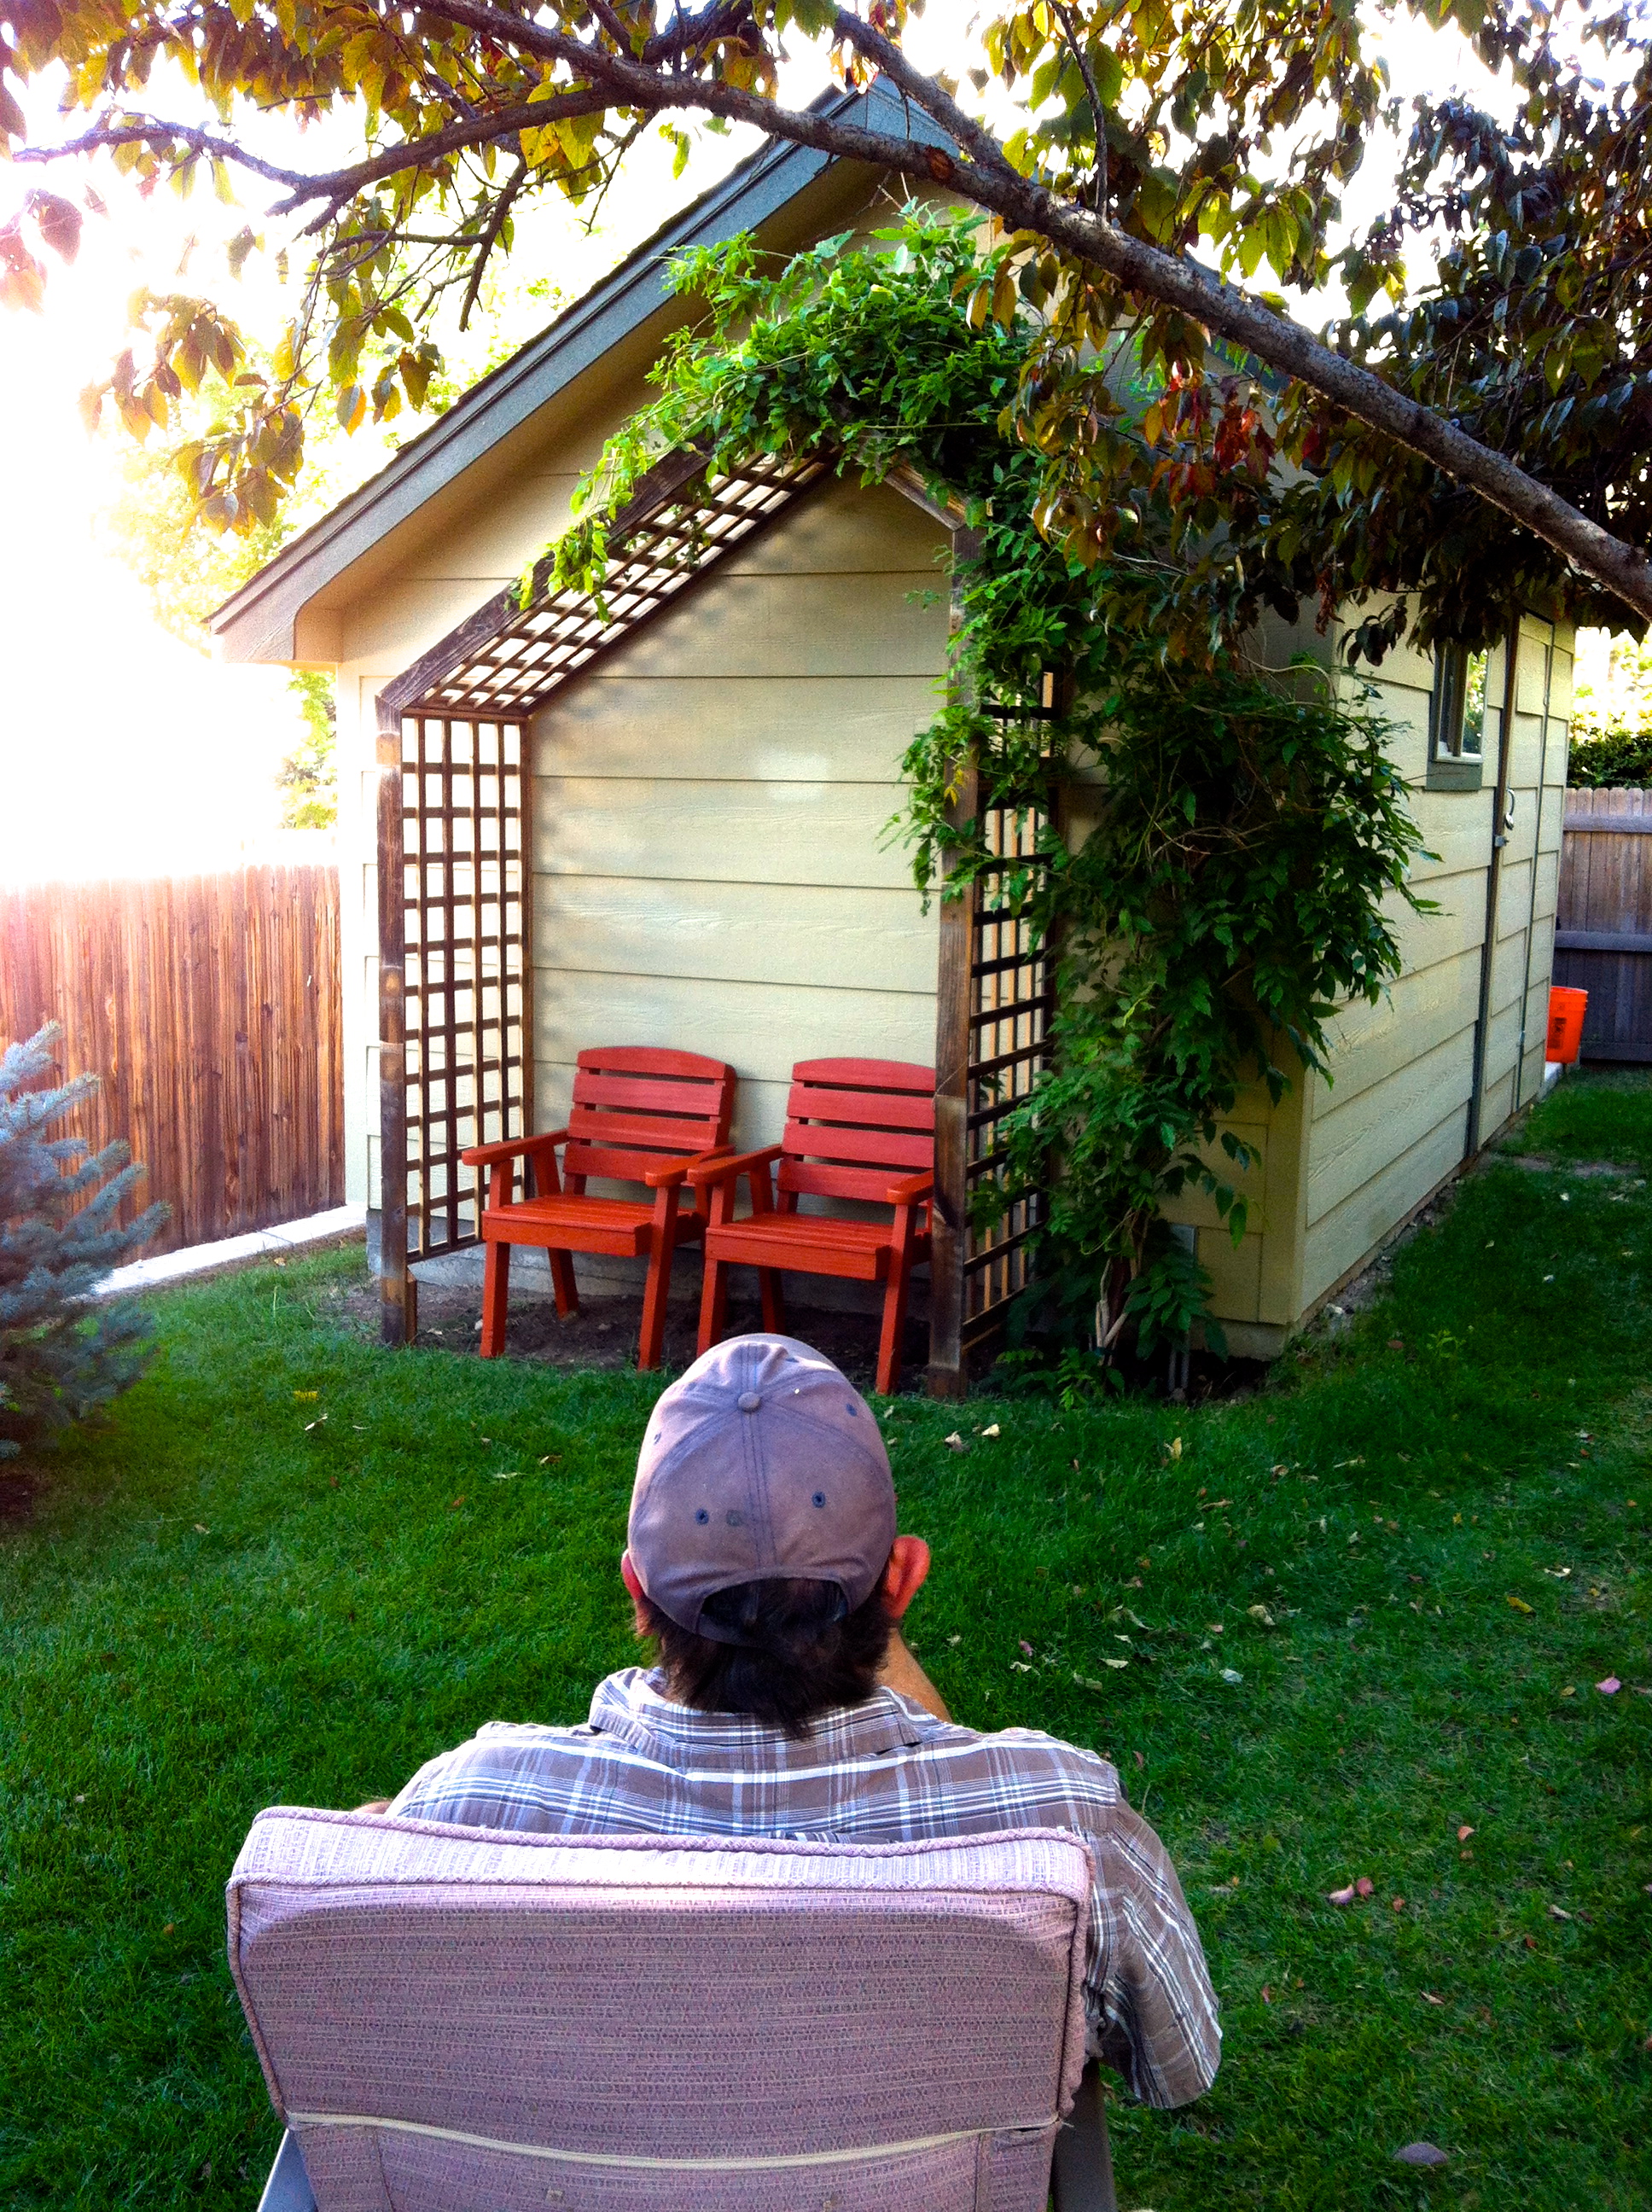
column 639, row 1115
column 854, row 1128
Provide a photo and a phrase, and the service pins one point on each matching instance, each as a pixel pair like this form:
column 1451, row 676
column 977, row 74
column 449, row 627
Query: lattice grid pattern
column 1012, row 998
column 465, row 886
column 516, row 666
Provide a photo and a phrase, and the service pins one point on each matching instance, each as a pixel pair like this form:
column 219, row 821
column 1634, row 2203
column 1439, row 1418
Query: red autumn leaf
column 1364, row 1885
column 1464, row 1833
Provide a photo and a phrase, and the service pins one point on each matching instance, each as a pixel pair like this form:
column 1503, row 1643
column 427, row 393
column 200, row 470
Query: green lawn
column 215, row 1605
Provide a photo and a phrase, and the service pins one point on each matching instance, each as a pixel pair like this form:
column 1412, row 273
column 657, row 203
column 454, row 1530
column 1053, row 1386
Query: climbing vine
column 1236, row 837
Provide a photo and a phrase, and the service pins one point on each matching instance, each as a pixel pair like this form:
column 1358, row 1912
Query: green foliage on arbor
column 61, row 1353
column 1236, row 835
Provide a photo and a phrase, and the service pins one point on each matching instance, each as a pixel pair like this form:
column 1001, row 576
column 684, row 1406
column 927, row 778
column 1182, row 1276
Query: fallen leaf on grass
column 457, row 1502
column 1342, row 1896
column 955, row 1641
column 1231, row 1674
column 1609, row 1687
column 1364, row 1885
column 1019, row 1666
column 308, row 1397
column 1173, row 1449
column 1089, row 1681
column 315, row 1424
column 1140, row 1760
column 1559, row 1573
column 954, row 1442
column 201, row 1528
column 1518, row 1603
column 1399, row 1903
column 1558, row 1912
column 510, row 1475
column 1420, row 2154
column 1261, row 1612
column 1027, row 1649
column 993, row 1430
column 1267, row 1994
column 1336, row 1463
column 1429, row 1997
column 1464, row 1833
column 1570, row 1690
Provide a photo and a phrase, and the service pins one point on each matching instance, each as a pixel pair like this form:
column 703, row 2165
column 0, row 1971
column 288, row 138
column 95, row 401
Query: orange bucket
column 1566, row 1024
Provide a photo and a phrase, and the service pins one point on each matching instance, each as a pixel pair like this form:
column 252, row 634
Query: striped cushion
column 453, row 2018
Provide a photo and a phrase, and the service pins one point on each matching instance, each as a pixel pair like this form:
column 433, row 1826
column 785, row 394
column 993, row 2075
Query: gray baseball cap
column 762, row 1460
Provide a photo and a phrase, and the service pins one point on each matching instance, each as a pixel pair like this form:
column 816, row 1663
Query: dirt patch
column 18, row 1484
column 1584, row 1170
column 604, row 1333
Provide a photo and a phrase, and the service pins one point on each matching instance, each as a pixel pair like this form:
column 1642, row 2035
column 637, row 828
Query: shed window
column 1457, row 719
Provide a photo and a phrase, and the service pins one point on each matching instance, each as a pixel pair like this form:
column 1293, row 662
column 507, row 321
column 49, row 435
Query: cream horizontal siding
column 1394, row 1123
column 1393, row 1118
column 684, row 829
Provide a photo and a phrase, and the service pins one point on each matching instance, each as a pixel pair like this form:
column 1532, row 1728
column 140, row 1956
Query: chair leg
column 1081, row 2176
column 562, row 1279
column 655, row 1293
column 496, row 1297
column 714, row 1303
column 774, row 1299
column 894, row 1331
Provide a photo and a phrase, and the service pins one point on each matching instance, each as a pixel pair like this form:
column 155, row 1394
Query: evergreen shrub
column 62, row 1353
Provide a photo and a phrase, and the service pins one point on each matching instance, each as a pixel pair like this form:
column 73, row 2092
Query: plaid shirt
column 884, row 1772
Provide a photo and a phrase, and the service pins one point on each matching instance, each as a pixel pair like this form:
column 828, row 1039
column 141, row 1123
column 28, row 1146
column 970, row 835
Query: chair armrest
column 715, row 1170
column 484, row 1156
column 663, row 1178
column 909, row 1189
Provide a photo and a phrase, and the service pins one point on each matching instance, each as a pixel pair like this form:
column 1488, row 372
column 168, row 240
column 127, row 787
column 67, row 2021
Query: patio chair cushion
column 451, row 2018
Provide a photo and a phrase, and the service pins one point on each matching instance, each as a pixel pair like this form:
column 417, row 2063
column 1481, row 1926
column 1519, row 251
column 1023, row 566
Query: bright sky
column 122, row 751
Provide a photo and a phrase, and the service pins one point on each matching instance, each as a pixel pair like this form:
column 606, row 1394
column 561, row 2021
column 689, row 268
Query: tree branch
column 982, row 173
column 488, row 240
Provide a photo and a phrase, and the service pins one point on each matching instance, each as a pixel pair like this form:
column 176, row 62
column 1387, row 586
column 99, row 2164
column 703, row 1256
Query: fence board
column 1603, row 927
column 211, row 1006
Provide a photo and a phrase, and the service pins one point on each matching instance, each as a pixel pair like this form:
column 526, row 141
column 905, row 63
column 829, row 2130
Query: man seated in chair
column 763, row 1563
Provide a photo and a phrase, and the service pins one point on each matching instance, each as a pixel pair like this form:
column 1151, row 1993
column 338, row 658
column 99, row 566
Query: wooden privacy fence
column 209, row 1006
column 1603, row 927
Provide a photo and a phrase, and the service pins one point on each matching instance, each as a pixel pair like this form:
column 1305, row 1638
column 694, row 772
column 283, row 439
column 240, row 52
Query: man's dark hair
column 801, row 1653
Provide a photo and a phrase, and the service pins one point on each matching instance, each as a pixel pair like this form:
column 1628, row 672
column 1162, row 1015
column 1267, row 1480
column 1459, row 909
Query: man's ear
column 906, row 1574
column 639, row 1596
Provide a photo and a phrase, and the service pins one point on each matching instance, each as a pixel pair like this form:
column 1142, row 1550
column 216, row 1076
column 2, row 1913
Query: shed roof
column 257, row 623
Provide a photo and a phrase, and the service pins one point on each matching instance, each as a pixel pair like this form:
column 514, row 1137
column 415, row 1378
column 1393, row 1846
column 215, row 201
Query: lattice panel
column 515, row 664
column 465, row 888
column 1011, row 999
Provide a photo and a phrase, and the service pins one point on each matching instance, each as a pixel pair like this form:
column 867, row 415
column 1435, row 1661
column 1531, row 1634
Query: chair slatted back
column 852, row 1126
column 640, row 1107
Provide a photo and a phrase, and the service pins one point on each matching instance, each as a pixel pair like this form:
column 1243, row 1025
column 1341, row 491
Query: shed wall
column 1393, row 1122
column 709, row 806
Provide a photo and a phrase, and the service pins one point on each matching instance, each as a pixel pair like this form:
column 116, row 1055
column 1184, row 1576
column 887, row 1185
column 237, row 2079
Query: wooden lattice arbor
column 455, row 875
